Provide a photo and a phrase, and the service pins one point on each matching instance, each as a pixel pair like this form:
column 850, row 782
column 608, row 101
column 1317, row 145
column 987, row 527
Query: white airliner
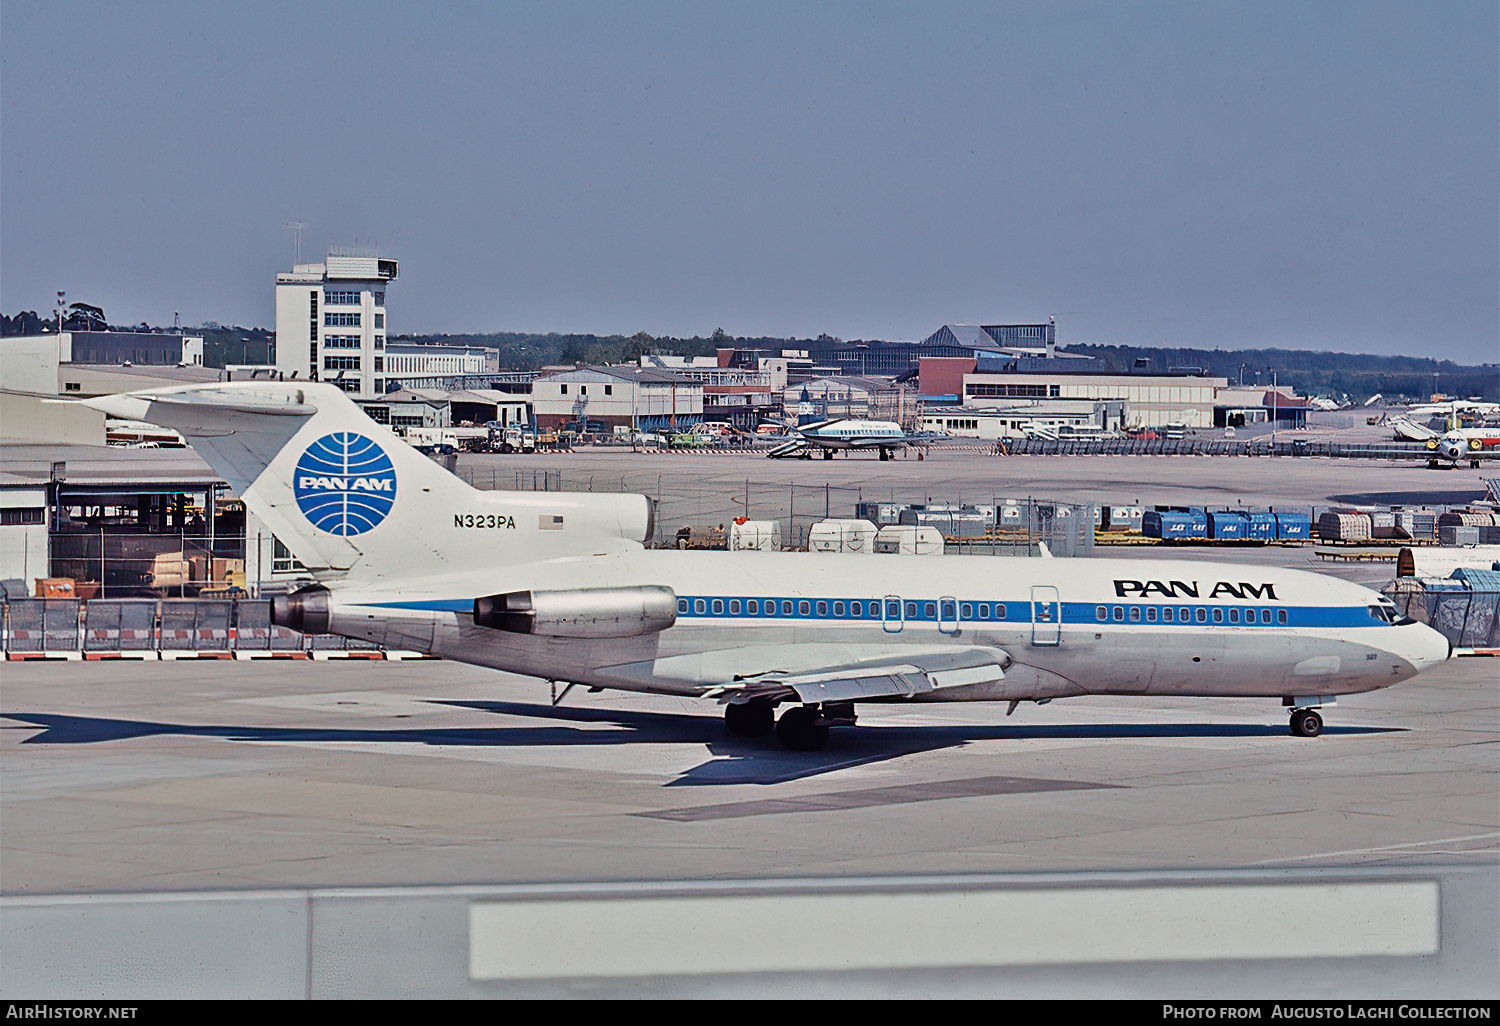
column 558, row 585
column 831, row 436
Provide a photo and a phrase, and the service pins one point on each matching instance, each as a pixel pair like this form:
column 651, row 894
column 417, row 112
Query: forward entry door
column 1046, row 615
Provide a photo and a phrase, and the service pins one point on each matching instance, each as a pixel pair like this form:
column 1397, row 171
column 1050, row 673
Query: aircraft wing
column 904, row 673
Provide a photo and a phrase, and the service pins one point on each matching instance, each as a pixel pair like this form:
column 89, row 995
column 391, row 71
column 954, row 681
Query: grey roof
column 627, row 372
column 101, row 465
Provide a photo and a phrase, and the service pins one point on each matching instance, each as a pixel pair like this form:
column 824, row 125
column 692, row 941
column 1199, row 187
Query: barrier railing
column 74, row 628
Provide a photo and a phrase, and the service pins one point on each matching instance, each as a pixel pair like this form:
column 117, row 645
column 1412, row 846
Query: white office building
column 330, row 322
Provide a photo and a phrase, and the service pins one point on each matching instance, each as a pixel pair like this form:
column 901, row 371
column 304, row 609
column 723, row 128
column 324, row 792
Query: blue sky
column 1318, row 176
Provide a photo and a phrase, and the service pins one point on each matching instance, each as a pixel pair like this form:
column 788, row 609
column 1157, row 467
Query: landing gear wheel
column 749, row 719
column 799, row 730
column 1307, row 723
column 828, row 454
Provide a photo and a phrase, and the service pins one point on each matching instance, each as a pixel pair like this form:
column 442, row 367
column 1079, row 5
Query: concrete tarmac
column 125, row 776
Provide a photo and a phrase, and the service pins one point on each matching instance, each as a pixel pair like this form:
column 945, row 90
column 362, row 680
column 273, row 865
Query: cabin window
column 718, row 606
column 1218, row 615
column 1166, row 614
column 804, row 607
column 1000, row 611
column 822, row 608
column 1101, row 613
column 1281, row 616
column 893, row 610
column 856, row 609
column 786, row 607
column 682, row 605
column 929, row 610
column 752, row 606
column 1119, row 612
column 1184, row 614
column 838, row 609
column 1150, row 614
column 1265, row 616
column 1201, row 615
column 911, row 610
column 1234, row 616
column 734, row 607
column 966, row 611
column 699, row 606
column 1135, row 614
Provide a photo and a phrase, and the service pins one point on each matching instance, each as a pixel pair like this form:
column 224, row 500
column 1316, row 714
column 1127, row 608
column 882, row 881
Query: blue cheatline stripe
column 1077, row 614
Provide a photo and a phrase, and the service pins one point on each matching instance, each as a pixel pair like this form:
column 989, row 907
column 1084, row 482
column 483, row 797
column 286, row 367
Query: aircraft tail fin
column 352, row 500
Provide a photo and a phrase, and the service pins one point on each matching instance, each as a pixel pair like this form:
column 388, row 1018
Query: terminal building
column 330, row 322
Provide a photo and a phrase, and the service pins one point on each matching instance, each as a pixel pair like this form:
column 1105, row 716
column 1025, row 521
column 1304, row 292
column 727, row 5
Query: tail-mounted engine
column 581, row 613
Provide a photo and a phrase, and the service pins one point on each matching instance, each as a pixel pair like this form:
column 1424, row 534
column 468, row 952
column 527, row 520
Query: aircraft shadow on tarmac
column 732, row 760
column 1450, row 497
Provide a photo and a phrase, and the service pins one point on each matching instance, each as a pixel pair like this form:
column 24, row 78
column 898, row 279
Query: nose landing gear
column 1306, row 721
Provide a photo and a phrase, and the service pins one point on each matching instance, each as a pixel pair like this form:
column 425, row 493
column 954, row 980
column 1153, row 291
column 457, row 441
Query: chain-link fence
column 711, row 506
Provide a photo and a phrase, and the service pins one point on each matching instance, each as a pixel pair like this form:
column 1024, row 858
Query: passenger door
column 1046, row 615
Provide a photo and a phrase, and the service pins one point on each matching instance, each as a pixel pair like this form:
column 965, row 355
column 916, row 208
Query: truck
column 438, row 441
column 512, row 438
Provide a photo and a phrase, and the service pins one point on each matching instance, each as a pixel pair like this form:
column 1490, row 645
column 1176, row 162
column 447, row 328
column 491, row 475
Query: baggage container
column 1174, row 525
column 756, row 536
column 1123, row 518
column 1347, row 526
column 1261, row 526
column 1228, row 525
column 963, row 522
column 909, row 540
column 1458, row 534
column 842, row 536
column 1293, row 526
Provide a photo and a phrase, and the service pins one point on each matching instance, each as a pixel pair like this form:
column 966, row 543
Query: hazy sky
column 1309, row 175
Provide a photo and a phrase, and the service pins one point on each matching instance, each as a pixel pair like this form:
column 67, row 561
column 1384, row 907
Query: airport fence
column 147, row 627
column 1261, row 446
column 711, row 504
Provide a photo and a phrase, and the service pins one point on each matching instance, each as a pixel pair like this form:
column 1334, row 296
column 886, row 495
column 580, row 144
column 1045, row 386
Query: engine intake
column 580, row 613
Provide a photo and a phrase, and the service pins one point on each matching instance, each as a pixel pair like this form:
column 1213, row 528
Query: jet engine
column 580, row 613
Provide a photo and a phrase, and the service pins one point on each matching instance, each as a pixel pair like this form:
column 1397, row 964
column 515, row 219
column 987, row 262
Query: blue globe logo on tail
column 345, row 484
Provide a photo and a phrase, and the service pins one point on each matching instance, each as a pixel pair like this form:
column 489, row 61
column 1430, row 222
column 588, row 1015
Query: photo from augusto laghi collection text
column 1328, row 1010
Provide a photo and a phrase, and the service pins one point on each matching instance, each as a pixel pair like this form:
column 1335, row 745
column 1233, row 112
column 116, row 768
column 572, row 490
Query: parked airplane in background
column 559, row 586
column 831, row 436
column 1472, row 444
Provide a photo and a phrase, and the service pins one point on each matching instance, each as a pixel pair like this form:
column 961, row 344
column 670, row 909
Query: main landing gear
column 802, row 728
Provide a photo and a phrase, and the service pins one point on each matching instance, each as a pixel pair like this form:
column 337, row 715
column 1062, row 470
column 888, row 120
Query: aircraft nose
column 1423, row 647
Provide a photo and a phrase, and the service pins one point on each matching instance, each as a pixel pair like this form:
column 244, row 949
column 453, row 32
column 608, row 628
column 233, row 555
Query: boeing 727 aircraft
column 559, row 586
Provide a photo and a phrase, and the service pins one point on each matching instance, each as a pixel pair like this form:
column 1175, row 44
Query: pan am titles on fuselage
column 559, row 586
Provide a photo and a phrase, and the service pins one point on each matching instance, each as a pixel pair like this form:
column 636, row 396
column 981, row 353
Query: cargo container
column 1261, row 526
column 1293, row 526
column 1228, row 525
column 1466, row 518
column 1346, row 526
column 1174, row 525
column 1457, row 534
column 881, row 514
column 755, row 536
column 842, row 536
column 1122, row 518
column 1418, row 525
column 964, row 522
column 909, row 541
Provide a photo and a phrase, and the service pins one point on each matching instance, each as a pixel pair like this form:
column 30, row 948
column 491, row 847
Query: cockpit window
column 1385, row 614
